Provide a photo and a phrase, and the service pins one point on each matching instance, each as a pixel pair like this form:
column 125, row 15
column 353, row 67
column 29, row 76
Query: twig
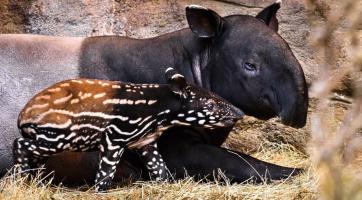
column 237, row 3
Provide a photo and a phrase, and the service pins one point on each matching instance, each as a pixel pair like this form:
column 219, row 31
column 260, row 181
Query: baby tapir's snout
column 234, row 116
column 229, row 114
column 201, row 107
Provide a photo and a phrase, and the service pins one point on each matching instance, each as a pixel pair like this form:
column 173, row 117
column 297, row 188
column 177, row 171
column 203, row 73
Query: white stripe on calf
column 135, row 121
column 71, row 135
column 57, row 89
column 104, row 159
column 81, row 114
column 168, row 69
column 177, row 76
column 142, row 101
column 90, row 126
column 46, row 97
column 58, row 126
column 179, row 123
column 99, row 95
column 138, row 133
column 144, row 120
column 118, row 101
column 150, row 102
column 120, row 131
column 110, row 146
column 77, row 81
column 36, row 106
column 42, row 136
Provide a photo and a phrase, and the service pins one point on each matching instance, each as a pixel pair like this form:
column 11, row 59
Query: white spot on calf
column 59, row 146
column 190, row 119
column 116, row 86
column 73, row 101
column 64, row 85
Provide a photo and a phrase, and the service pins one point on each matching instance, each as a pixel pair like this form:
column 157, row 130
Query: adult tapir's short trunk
column 294, row 103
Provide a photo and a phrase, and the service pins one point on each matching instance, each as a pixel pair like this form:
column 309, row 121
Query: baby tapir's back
column 78, row 110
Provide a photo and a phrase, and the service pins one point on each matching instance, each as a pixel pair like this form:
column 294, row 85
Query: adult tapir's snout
column 293, row 97
column 285, row 93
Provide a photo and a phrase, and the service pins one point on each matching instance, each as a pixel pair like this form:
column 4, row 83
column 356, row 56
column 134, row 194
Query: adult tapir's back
column 241, row 58
column 29, row 63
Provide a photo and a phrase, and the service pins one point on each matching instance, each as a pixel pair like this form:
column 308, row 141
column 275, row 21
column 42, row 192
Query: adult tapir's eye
column 249, row 66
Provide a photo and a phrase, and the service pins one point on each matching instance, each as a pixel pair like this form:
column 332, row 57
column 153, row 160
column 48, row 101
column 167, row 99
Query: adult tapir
column 242, row 58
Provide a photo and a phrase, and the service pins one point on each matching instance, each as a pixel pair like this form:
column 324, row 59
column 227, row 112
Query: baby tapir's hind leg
column 110, row 156
column 154, row 162
column 30, row 153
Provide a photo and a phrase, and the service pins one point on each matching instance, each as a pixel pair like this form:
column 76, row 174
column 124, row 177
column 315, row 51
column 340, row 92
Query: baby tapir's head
column 200, row 107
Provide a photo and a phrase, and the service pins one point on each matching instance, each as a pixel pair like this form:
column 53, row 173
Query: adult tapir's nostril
column 267, row 100
column 270, row 100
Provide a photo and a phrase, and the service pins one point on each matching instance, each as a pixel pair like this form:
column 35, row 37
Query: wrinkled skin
column 241, row 58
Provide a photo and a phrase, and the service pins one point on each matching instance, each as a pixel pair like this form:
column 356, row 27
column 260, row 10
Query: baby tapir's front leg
column 110, row 156
column 154, row 162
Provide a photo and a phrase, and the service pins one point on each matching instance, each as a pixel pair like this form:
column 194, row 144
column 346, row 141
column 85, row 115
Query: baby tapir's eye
column 210, row 104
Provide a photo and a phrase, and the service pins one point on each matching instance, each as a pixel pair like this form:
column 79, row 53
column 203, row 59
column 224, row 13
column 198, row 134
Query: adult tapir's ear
column 268, row 15
column 203, row 22
column 177, row 82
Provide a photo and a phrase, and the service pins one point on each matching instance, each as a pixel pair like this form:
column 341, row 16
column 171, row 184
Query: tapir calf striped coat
column 88, row 115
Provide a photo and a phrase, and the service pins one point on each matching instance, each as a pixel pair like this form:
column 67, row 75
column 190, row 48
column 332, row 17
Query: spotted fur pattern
column 88, row 115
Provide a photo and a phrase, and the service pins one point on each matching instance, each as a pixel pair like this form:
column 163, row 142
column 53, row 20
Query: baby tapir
column 88, row 115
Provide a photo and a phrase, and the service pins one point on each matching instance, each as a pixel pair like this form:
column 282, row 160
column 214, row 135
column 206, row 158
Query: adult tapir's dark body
column 239, row 57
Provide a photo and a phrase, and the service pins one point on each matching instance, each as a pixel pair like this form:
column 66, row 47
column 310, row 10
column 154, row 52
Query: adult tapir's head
column 250, row 64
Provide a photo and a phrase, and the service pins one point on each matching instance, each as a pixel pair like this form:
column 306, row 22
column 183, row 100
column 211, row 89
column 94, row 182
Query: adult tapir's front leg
column 182, row 150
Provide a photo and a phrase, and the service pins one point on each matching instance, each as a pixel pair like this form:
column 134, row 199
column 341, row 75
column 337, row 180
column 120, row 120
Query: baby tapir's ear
column 177, row 82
